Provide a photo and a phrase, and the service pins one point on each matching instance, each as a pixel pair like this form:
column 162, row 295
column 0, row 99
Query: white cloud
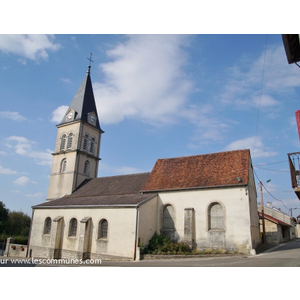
column 263, row 101
column 127, row 170
column 58, row 114
column 144, row 80
column 23, row 180
column 24, row 146
column 208, row 126
column 242, row 91
column 243, row 87
column 66, row 80
column 35, row 195
column 6, row 171
column 12, row 115
column 113, row 170
column 255, row 145
column 31, row 46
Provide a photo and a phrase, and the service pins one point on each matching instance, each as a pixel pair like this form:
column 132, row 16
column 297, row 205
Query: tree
column 18, row 223
column 3, row 217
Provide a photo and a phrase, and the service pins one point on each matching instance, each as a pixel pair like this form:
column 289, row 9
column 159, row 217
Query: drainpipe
column 136, row 232
column 28, row 244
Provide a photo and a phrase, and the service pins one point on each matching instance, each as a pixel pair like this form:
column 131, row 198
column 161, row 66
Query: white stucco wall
column 148, row 222
column 237, row 223
column 120, row 238
column 298, row 231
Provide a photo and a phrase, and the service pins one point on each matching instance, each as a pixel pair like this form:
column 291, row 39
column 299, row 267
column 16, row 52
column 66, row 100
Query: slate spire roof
column 84, row 101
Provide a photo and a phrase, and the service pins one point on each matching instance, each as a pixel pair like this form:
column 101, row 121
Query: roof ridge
column 122, row 175
column 109, row 195
column 196, row 155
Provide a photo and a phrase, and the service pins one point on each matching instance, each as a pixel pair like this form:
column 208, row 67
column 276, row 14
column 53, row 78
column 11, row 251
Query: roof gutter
column 85, row 206
column 66, row 206
column 196, row 188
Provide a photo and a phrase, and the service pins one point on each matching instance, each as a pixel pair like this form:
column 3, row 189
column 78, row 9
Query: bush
column 20, row 239
column 157, row 241
column 162, row 244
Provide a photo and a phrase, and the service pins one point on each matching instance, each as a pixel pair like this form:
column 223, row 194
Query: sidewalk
column 269, row 247
column 265, row 247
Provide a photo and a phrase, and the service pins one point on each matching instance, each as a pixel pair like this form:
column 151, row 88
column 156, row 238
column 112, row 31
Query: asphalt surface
column 283, row 255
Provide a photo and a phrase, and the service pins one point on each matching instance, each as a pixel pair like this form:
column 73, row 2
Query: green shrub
column 157, row 241
column 162, row 244
column 141, row 244
column 20, row 239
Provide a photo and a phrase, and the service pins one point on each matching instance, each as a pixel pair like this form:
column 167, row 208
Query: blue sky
column 158, row 96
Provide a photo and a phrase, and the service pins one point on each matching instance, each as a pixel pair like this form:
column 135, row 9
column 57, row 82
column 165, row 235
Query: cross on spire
column 89, row 66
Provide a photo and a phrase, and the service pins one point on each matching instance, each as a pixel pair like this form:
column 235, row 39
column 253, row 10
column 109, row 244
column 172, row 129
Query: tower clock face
column 93, row 119
column 70, row 115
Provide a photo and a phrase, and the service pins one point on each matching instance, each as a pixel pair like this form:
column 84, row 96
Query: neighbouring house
column 207, row 201
column 279, row 227
column 298, row 227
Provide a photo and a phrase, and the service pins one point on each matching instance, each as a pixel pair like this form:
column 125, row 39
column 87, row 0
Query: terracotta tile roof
column 200, row 171
column 114, row 190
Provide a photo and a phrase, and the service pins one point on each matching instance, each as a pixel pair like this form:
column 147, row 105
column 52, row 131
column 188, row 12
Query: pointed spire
column 84, row 102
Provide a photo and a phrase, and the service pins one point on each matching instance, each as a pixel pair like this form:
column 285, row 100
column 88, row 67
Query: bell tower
column 77, row 148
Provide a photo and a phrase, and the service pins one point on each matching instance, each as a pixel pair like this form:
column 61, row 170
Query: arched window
column 92, row 145
column 73, row 227
column 168, row 217
column 70, row 140
column 47, row 225
column 63, row 142
column 85, row 142
column 216, row 216
column 63, row 165
column 102, row 229
column 86, row 169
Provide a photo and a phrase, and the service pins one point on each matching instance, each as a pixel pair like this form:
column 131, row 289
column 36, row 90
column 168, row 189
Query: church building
column 207, row 201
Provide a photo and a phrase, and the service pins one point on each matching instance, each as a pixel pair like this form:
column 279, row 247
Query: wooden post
column 262, row 213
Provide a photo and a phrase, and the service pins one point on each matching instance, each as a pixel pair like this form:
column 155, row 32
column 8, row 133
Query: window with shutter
column 70, row 140
column 63, row 142
column 216, row 216
column 73, row 227
column 102, row 230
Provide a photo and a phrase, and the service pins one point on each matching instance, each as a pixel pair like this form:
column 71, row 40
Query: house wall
column 119, row 243
column 292, row 231
column 238, row 226
column 148, row 224
column 273, row 232
column 297, row 231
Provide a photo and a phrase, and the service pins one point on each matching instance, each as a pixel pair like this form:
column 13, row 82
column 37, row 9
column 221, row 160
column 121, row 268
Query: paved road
column 284, row 255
